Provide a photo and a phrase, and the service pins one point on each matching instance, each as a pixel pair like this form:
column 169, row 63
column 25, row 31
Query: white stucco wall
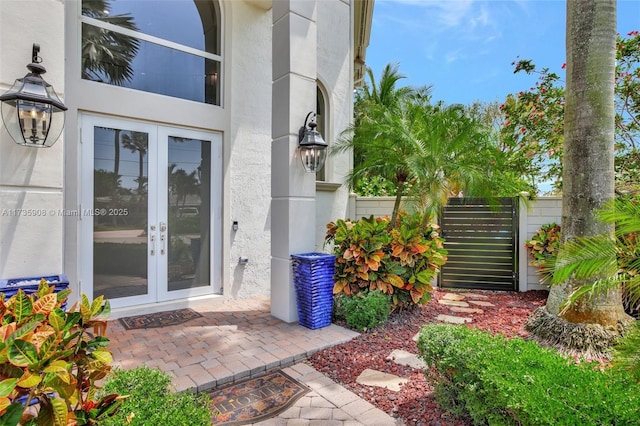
column 541, row 211
column 31, row 194
column 249, row 146
column 335, row 73
column 46, row 179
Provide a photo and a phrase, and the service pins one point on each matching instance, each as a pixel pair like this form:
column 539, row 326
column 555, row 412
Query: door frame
column 157, row 270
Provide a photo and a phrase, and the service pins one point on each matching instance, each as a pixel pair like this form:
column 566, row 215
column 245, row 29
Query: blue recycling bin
column 313, row 282
column 30, row 284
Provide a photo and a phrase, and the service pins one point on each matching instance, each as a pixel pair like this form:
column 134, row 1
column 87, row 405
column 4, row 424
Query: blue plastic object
column 313, row 281
column 30, row 285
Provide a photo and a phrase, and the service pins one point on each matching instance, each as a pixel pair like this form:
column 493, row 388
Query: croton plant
column 50, row 359
column 544, row 244
column 401, row 262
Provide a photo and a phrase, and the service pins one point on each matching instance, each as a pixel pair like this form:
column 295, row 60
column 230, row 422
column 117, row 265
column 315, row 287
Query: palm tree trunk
column 116, row 154
column 588, row 169
column 396, row 204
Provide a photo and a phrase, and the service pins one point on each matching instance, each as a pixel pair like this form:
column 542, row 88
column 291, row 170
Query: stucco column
column 293, row 204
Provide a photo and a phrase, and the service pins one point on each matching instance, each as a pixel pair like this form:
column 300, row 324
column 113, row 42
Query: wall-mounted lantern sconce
column 32, row 112
column 313, row 149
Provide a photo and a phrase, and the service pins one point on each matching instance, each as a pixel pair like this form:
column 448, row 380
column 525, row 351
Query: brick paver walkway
column 238, row 339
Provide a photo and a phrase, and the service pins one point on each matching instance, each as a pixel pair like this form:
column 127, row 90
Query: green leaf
column 48, row 348
column 6, row 386
column 73, row 318
column 23, row 307
column 23, row 353
column 96, row 305
column 57, row 320
column 103, row 356
column 59, row 411
column 395, row 280
column 63, row 294
column 425, row 276
column 12, row 416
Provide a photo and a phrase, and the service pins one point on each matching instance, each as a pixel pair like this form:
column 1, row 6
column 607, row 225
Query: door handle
column 163, row 238
column 152, row 238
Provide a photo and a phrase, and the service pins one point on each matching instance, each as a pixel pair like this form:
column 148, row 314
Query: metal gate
column 482, row 241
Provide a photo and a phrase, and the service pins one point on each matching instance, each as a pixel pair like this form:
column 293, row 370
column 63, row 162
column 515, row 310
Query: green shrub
column 151, row 402
column 494, row 380
column 364, row 310
column 400, row 262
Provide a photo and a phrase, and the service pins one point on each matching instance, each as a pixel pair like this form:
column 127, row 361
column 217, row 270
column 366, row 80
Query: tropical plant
column 50, row 361
column 373, row 101
column 588, row 178
column 533, row 120
column 107, row 55
column 428, row 152
column 607, row 264
column 138, row 142
column 401, row 263
column 544, row 245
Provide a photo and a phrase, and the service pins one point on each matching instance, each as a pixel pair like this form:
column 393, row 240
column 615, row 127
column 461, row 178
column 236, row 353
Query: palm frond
column 586, row 258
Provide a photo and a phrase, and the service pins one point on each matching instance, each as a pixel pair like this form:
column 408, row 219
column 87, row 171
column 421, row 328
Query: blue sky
column 464, row 48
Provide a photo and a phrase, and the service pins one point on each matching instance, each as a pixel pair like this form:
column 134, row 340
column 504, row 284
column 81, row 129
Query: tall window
column 321, row 120
column 169, row 47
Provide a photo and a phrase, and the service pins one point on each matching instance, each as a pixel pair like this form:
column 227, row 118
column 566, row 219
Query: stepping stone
column 481, row 303
column 453, row 320
column 476, row 296
column 371, row 377
column 406, row 358
column 453, row 303
column 452, row 296
column 466, row 310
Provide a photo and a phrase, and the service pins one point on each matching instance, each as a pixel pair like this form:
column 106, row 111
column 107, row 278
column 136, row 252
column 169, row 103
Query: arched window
column 323, row 128
column 171, row 48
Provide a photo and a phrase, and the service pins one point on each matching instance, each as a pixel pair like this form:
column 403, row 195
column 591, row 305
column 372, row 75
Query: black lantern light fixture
column 313, row 149
column 32, row 112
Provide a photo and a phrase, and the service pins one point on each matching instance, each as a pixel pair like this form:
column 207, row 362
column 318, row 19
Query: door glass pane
column 189, row 210
column 120, row 213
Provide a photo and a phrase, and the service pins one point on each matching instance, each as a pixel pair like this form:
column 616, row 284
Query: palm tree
column 107, row 55
column 428, row 151
column 588, row 324
column 137, row 142
column 369, row 146
column 182, row 184
column 610, row 264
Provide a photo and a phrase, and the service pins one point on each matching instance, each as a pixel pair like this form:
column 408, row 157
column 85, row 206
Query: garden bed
column 415, row 403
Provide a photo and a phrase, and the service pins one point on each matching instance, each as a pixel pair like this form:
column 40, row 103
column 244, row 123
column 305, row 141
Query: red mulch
column 415, row 403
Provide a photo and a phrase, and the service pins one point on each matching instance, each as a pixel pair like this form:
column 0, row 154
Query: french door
column 150, row 213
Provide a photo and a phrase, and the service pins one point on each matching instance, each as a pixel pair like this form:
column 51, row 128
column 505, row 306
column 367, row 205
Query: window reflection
column 120, row 212
column 150, row 65
column 189, row 209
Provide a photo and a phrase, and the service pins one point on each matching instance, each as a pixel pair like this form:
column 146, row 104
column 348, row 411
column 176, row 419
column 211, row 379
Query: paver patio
column 237, row 339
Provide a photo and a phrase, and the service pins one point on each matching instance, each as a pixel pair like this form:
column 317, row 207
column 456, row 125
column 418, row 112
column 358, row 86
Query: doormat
column 159, row 319
column 256, row 399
